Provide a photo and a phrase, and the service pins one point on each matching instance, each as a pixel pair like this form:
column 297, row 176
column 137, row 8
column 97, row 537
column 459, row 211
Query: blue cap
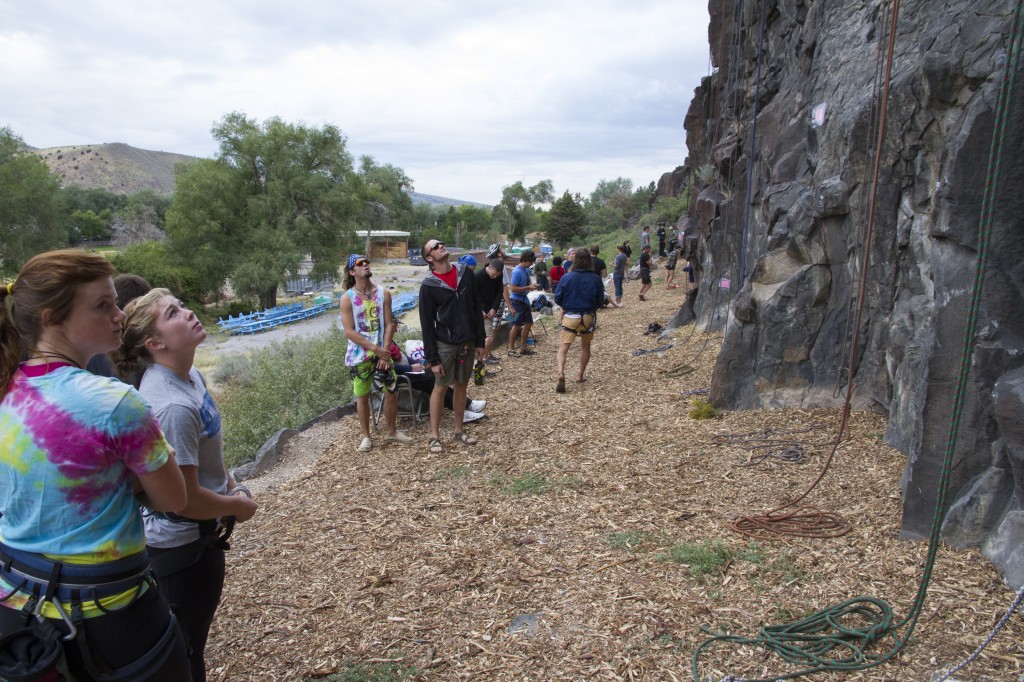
column 467, row 259
column 352, row 260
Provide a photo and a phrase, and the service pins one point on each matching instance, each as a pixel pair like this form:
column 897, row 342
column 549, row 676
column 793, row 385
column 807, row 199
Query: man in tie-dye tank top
column 369, row 326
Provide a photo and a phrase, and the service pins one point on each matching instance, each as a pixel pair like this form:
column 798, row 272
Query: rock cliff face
column 782, row 137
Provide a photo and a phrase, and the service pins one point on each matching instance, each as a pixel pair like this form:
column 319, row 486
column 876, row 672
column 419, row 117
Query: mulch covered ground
column 544, row 552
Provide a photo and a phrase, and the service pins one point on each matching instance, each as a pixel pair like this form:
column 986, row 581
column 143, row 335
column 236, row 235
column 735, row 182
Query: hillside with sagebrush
column 122, row 169
column 115, row 167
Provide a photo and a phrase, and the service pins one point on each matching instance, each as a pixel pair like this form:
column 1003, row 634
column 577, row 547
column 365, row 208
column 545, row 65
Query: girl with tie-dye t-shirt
column 72, row 448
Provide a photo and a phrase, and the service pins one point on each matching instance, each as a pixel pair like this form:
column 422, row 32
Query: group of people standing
column 106, row 483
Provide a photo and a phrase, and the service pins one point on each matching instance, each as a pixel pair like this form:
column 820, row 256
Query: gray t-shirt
column 191, row 424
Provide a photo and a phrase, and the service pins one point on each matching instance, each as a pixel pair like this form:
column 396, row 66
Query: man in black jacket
column 490, row 290
column 453, row 334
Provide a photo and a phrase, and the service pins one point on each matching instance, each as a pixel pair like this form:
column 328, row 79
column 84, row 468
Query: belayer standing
column 453, row 335
column 75, row 446
column 365, row 310
column 186, row 548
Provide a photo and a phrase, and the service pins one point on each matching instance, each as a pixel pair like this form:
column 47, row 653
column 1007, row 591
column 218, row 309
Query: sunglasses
column 360, row 263
column 435, row 247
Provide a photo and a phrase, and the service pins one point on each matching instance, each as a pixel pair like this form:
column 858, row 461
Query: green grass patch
column 532, row 484
column 393, row 671
column 451, row 473
column 701, row 558
column 629, row 541
column 282, row 386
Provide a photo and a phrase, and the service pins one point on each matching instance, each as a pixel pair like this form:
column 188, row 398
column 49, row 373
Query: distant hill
column 115, row 167
column 119, row 168
column 418, row 198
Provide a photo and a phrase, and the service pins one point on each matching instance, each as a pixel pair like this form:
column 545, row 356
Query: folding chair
column 410, row 403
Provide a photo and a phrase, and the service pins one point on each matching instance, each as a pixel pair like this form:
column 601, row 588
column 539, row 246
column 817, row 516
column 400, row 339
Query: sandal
column 464, row 438
column 434, row 445
column 513, row 354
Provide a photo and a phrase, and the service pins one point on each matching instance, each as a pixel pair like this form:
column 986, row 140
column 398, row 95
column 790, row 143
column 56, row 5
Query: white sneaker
column 365, row 445
column 470, row 416
column 477, row 405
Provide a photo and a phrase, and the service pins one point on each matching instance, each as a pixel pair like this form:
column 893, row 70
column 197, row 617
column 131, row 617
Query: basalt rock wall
column 783, row 140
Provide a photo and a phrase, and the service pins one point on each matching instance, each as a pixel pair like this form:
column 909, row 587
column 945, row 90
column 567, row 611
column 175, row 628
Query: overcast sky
column 466, row 96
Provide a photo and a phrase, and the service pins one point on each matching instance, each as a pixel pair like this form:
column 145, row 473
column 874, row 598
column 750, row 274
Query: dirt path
column 543, row 553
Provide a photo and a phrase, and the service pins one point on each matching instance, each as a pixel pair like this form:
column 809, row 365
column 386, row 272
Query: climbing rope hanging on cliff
column 752, row 155
column 823, row 641
column 774, row 523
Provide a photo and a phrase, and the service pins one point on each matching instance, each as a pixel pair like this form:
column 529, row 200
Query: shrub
column 285, row 385
column 703, row 409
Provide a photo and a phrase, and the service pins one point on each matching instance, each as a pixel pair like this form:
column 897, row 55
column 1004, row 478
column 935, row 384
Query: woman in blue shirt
column 579, row 294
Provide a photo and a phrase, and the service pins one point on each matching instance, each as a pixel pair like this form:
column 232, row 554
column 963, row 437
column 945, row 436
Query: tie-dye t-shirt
column 369, row 322
column 69, row 442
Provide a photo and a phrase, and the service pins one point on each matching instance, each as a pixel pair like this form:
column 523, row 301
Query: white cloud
column 464, row 96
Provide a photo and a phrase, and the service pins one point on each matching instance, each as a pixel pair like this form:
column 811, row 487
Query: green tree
column 567, row 220
column 154, row 262
column 610, row 204
column 276, row 194
column 86, row 225
column 142, row 219
column 30, row 205
column 384, row 191
column 517, row 210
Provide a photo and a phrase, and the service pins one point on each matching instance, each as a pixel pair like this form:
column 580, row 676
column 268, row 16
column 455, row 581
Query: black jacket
column 450, row 315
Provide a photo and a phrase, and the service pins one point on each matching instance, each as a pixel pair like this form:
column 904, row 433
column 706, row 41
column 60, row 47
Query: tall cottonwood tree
column 30, row 205
column 275, row 194
column 517, row 209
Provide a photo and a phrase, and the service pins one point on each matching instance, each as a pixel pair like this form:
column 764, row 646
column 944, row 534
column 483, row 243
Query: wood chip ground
column 436, row 562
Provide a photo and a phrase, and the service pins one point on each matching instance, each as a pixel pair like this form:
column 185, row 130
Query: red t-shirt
column 451, row 278
column 556, row 274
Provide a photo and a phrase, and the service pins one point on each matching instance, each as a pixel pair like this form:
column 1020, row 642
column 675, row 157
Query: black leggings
column 118, row 639
column 194, row 592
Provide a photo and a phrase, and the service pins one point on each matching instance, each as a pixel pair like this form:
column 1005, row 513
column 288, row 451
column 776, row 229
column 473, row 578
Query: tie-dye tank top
column 369, row 323
column 69, row 442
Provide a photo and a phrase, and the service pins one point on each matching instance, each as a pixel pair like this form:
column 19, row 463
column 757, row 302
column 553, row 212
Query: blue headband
column 352, row 260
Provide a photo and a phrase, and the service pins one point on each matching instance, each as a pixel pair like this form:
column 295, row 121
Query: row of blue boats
column 265, row 320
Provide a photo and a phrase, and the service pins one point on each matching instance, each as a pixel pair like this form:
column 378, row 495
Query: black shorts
column 645, row 276
column 523, row 313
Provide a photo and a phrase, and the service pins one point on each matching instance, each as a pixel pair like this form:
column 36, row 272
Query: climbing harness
column 37, row 647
